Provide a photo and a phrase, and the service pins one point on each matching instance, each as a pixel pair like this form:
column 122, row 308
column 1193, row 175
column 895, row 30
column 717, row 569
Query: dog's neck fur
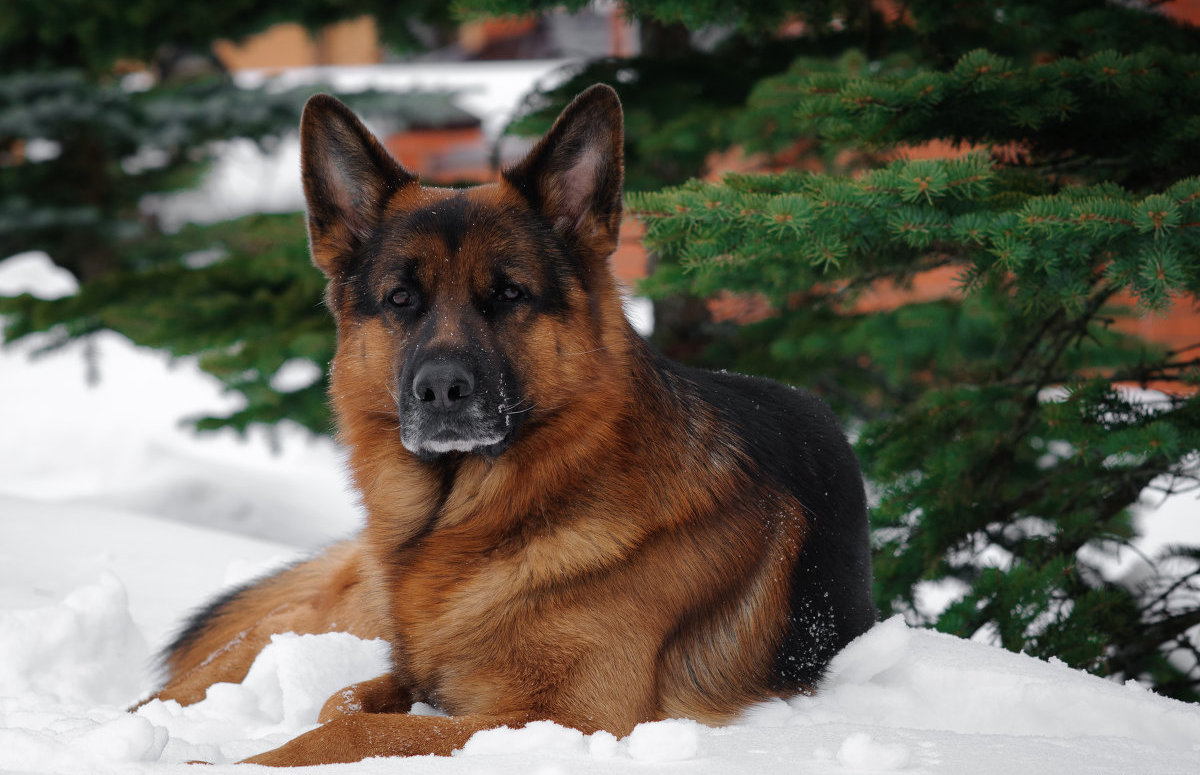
column 545, row 474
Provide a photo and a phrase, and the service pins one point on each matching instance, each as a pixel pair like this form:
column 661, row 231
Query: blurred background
column 970, row 226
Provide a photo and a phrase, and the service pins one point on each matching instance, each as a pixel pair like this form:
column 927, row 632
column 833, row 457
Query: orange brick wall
column 1183, row 10
column 474, row 36
column 353, row 42
column 438, row 155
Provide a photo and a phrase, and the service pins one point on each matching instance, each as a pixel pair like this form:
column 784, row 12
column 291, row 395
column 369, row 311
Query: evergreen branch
column 890, row 221
column 1018, row 363
column 1140, row 374
column 1062, row 334
column 1162, row 597
column 940, row 257
column 1131, row 654
column 1051, row 109
column 1182, row 350
column 1163, row 371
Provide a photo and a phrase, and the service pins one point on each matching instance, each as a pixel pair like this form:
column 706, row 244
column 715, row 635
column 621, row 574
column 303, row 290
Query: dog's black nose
column 443, row 384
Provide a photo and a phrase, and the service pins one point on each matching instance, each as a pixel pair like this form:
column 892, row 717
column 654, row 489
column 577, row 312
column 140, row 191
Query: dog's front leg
column 351, row 738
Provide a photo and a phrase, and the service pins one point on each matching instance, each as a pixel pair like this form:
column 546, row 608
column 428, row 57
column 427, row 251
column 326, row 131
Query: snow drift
column 115, row 522
column 896, row 699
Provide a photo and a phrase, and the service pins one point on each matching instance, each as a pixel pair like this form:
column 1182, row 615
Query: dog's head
column 463, row 313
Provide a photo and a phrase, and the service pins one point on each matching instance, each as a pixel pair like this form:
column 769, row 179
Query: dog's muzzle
column 447, row 409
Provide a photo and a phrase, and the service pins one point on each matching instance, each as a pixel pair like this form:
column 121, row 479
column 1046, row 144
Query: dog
column 561, row 523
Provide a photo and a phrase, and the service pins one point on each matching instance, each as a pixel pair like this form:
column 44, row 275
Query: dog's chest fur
column 478, row 632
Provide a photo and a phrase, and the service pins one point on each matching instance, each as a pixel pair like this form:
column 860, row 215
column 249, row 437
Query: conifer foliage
column 1000, row 426
column 997, row 426
column 82, row 148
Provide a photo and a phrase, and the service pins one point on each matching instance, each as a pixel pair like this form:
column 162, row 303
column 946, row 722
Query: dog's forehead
column 457, row 233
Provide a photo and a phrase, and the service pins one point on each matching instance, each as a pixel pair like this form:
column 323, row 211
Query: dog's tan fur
column 620, row 561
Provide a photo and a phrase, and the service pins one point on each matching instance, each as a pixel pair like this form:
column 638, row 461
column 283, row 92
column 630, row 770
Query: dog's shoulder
column 793, row 444
column 789, row 434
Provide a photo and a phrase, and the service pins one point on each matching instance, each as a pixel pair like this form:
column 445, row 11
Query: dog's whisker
column 513, row 406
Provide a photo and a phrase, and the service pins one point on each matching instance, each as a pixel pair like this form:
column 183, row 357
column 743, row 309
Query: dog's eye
column 509, row 293
column 401, row 297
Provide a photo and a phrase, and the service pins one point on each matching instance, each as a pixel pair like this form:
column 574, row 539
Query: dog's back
column 794, row 441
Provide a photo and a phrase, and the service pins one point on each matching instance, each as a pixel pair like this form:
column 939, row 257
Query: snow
column 85, row 648
column 664, row 741
column 33, row 272
column 279, row 698
column 115, row 521
column 295, row 374
column 490, row 90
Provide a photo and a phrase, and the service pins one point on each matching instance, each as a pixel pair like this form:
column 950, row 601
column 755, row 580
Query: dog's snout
column 443, row 385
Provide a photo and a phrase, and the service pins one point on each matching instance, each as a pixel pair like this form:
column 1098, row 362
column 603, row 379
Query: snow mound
column 539, row 736
column 280, row 697
column 34, row 273
column 917, row 679
column 896, row 700
column 85, row 649
column 664, row 741
column 38, row 736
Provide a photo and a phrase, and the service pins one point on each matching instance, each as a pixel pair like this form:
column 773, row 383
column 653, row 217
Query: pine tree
column 92, row 36
column 79, row 150
column 1002, row 448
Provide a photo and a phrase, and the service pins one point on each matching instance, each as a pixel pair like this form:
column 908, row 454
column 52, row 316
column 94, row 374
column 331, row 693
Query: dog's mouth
column 450, row 406
column 442, row 444
column 431, row 437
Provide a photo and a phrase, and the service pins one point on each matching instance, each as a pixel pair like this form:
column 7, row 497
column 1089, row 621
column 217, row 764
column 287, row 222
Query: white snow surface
column 115, row 522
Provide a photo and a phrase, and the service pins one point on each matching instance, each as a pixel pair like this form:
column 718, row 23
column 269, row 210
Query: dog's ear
column 574, row 174
column 348, row 176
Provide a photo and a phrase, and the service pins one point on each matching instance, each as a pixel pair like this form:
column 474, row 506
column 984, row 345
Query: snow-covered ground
column 115, row 521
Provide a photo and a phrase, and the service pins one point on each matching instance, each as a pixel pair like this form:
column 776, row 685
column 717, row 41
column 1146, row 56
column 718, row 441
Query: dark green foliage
column 925, row 213
column 251, row 304
column 1059, row 112
column 79, row 151
column 82, row 206
column 1003, row 456
column 244, row 315
column 676, row 111
column 92, row 34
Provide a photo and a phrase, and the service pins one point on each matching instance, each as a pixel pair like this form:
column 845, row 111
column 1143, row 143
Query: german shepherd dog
column 561, row 523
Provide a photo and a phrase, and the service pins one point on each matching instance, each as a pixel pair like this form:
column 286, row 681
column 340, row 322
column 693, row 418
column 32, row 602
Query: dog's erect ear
column 348, row 176
column 574, row 173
